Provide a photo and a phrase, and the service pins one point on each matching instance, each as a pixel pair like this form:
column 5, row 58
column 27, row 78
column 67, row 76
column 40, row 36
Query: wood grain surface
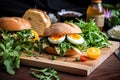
column 108, row 70
column 68, row 64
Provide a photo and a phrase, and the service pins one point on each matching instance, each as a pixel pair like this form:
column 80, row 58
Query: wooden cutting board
column 68, row 64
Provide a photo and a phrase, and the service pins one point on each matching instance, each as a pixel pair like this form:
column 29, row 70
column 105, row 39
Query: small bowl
column 68, row 15
column 114, row 33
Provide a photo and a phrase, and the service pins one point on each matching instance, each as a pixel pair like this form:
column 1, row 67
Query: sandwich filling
column 63, row 42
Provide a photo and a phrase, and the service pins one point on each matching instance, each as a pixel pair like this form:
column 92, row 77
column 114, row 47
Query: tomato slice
column 83, row 58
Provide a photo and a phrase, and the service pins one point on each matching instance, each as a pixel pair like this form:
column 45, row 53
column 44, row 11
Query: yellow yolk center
column 56, row 37
column 75, row 36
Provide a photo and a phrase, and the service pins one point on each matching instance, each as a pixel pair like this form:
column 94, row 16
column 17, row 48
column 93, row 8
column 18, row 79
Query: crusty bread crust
column 38, row 19
column 69, row 52
column 62, row 28
column 14, row 23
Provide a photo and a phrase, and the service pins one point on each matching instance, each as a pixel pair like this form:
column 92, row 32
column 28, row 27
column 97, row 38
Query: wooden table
column 108, row 70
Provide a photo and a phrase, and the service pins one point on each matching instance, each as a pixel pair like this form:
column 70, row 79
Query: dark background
column 18, row 7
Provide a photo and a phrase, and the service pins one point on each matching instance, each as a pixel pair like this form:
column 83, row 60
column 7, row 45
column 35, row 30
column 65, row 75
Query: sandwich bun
column 61, row 29
column 38, row 19
column 14, row 24
column 52, row 50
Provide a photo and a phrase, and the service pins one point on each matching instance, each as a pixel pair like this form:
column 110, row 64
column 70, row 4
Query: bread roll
column 14, row 23
column 39, row 20
column 62, row 28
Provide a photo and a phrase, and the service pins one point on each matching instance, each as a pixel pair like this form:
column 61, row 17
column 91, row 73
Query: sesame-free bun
column 38, row 19
column 14, row 23
column 62, row 28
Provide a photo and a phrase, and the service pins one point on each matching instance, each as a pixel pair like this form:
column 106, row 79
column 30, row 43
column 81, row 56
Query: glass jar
column 95, row 11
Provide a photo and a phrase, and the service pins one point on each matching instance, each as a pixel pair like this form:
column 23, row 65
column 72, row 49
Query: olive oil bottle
column 95, row 11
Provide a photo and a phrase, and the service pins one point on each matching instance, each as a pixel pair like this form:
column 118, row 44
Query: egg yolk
column 56, row 37
column 75, row 36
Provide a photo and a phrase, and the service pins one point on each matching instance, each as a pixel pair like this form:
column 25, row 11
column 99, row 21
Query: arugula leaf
column 2, row 47
column 63, row 48
column 9, row 68
column 17, row 62
column 93, row 36
column 45, row 74
column 12, row 44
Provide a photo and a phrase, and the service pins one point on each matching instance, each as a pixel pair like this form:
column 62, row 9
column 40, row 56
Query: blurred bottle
column 96, row 11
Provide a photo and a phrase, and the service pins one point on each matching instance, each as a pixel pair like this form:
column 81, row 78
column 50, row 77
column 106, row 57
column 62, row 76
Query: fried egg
column 56, row 39
column 75, row 39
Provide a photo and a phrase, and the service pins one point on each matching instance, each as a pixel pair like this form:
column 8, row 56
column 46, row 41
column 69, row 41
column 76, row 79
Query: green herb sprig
column 45, row 74
column 92, row 35
column 12, row 44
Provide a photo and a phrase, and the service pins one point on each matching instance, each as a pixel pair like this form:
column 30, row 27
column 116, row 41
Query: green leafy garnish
column 45, row 74
column 12, row 44
column 93, row 36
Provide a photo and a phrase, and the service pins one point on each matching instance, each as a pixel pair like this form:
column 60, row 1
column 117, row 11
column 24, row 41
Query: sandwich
column 17, row 24
column 63, row 39
column 38, row 19
column 16, row 37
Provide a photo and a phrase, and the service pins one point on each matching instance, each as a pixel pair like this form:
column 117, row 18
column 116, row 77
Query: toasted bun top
column 38, row 19
column 62, row 28
column 14, row 23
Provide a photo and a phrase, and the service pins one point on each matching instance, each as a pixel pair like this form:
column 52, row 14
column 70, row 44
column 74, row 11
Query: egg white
column 57, row 40
column 75, row 41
